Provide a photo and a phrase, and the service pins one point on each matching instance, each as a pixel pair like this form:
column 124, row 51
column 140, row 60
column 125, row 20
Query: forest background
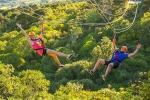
column 73, row 27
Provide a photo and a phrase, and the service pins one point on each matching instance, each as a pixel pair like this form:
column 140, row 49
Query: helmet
column 125, row 47
column 31, row 33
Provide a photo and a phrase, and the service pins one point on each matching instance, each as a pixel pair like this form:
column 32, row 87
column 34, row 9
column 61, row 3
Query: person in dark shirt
column 115, row 61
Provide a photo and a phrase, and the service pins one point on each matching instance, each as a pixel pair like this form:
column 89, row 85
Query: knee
column 100, row 61
column 110, row 65
column 52, row 55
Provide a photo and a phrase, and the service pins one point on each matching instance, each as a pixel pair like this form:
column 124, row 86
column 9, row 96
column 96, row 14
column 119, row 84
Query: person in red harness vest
column 114, row 62
column 38, row 45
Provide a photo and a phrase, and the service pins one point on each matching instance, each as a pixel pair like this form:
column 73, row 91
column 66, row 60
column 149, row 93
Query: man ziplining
column 115, row 61
column 40, row 48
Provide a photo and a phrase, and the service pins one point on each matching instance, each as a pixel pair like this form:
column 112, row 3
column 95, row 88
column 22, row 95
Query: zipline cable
column 109, row 23
column 105, row 19
column 115, row 14
column 126, row 28
column 106, row 23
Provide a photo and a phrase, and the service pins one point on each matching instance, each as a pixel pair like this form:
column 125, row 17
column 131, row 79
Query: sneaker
column 103, row 77
column 61, row 66
column 70, row 56
column 90, row 72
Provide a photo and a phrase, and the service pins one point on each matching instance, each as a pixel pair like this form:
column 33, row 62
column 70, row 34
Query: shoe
column 90, row 72
column 70, row 56
column 61, row 66
column 103, row 77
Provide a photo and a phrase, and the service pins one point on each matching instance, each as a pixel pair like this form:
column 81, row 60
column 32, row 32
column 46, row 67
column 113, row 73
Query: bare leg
column 110, row 66
column 55, row 58
column 98, row 63
column 49, row 51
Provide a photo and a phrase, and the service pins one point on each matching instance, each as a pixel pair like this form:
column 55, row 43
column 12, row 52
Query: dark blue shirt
column 120, row 56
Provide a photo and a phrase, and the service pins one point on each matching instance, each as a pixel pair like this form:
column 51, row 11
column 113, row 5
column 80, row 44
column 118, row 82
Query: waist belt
column 39, row 49
column 116, row 61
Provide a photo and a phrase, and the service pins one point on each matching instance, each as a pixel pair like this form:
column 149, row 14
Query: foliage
column 103, row 50
column 24, row 85
column 76, row 70
column 87, row 48
column 149, row 74
column 26, row 75
column 74, row 91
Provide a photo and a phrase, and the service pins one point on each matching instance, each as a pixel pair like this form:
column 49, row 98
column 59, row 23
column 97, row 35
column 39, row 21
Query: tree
column 103, row 50
column 87, row 48
column 24, row 86
column 1, row 17
column 75, row 32
column 26, row 19
column 145, row 35
column 31, row 79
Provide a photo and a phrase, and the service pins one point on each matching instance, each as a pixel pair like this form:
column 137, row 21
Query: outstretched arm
column 42, row 29
column 136, row 50
column 25, row 34
column 114, row 43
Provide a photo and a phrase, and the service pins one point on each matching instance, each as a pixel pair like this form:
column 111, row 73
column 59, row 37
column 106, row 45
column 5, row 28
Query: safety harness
column 114, row 43
column 40, row 39
column 42, row 43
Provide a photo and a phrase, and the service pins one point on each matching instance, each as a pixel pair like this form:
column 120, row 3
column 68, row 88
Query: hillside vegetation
column 24, row 75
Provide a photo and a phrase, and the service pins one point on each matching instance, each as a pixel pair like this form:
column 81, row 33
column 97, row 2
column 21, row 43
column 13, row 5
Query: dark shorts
column 44, row 51
column 107, row 62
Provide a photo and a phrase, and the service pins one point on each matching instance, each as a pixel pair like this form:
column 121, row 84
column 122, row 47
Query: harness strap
column 114, row 44
column 39, row 49
column 43, row 45
column 116, row 56
column 42, row 32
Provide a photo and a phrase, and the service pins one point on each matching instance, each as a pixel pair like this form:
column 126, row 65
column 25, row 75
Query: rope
column 114, row 44
column 122, row 13
column 42, row 25
column 105, row 18
column 109, row 23
column 106, row 23
column 99, row 13
column 126, row 28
